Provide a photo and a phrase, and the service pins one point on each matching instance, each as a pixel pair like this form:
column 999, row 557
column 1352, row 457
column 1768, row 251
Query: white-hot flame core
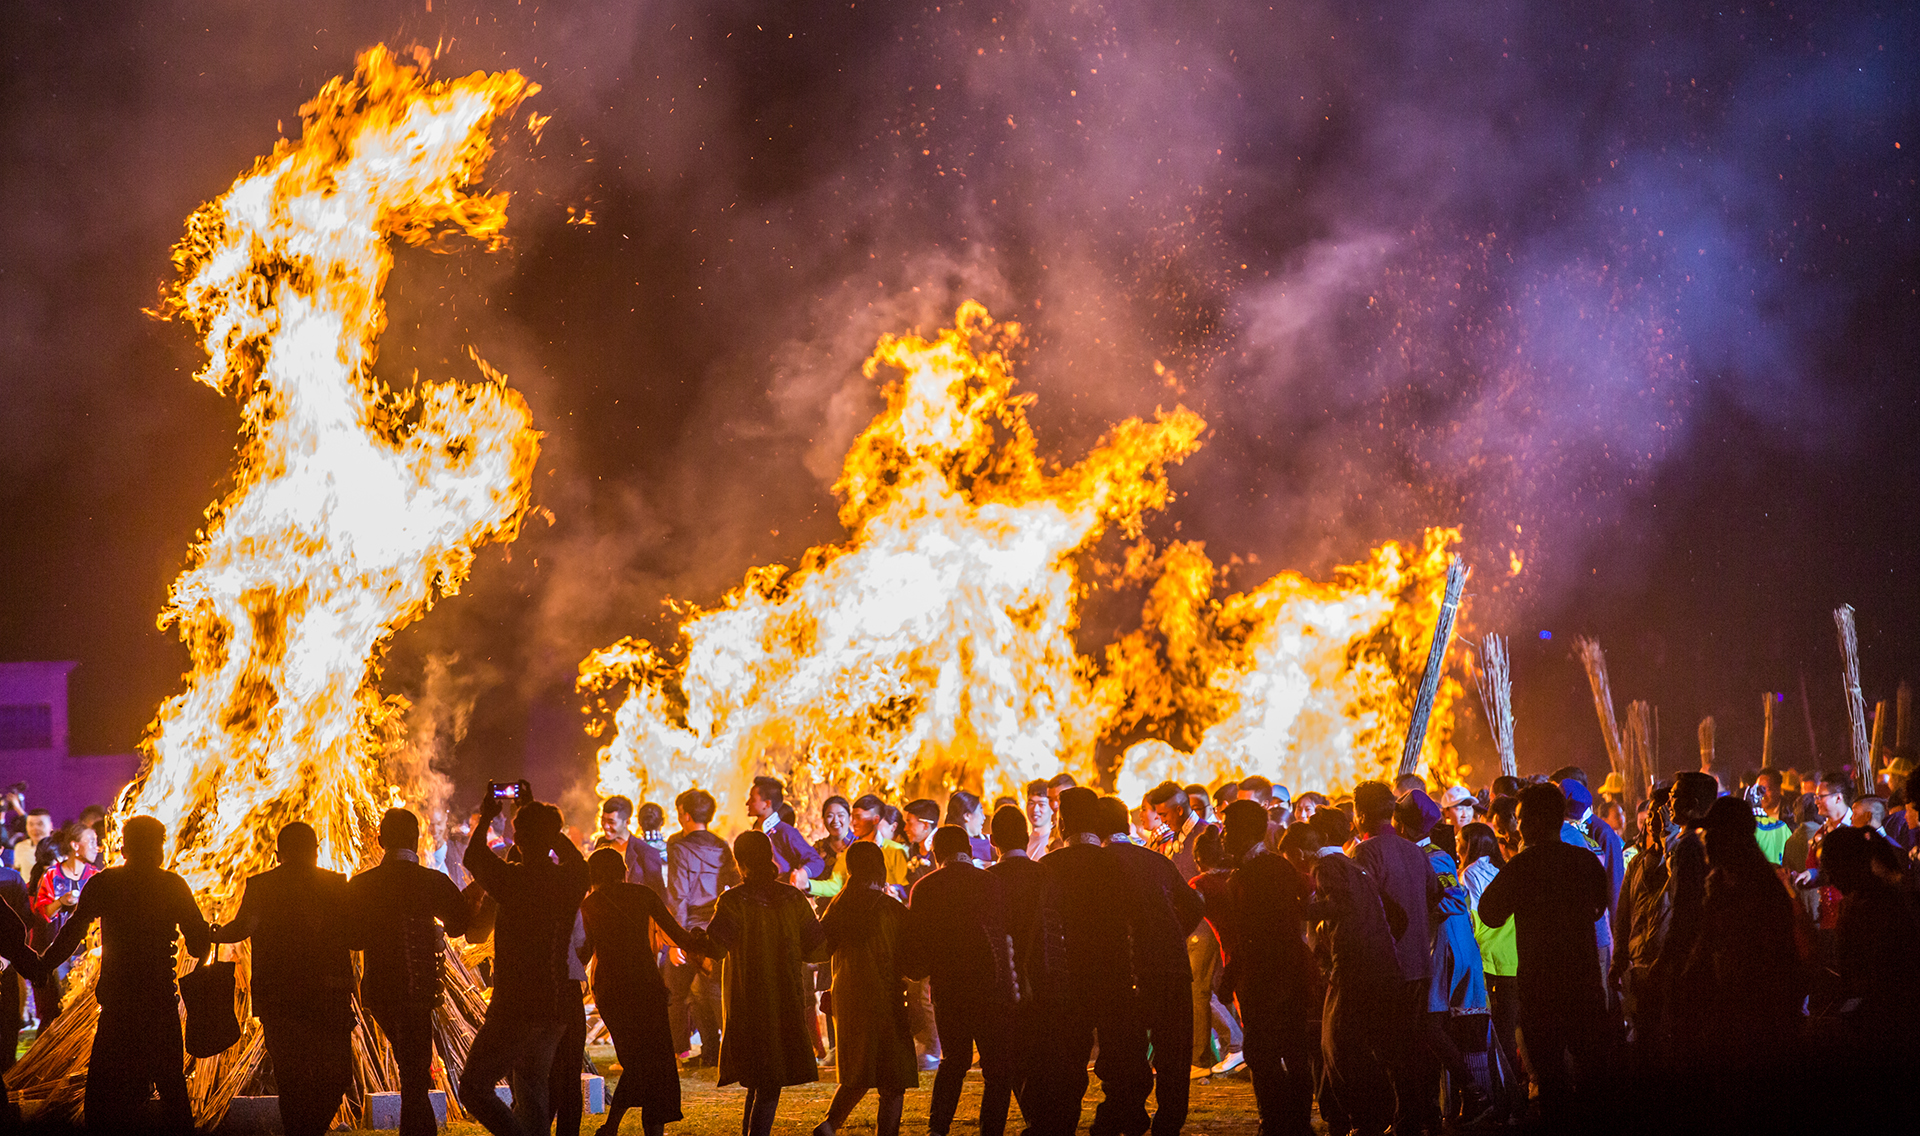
column 354, row 507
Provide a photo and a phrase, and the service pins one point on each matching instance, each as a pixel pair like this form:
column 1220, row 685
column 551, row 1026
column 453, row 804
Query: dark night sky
column 1629, row 288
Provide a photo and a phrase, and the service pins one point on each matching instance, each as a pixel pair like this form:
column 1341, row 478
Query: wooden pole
column 1856, row 705
column 1495, row 683
column 1436, row 663
column 1706, row 744
column 1766, row 730
column 1595, row 662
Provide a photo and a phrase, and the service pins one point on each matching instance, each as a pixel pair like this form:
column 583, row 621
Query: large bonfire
column 354, row 507
column 934, row 648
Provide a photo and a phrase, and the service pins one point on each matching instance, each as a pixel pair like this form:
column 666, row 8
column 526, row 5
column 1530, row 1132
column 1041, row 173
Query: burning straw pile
column 354, row 508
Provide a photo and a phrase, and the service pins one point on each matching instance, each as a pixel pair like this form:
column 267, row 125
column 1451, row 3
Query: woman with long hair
column 766, row 932
column 869, row 995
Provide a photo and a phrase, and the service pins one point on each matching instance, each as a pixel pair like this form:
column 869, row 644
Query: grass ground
column 1222, row 1106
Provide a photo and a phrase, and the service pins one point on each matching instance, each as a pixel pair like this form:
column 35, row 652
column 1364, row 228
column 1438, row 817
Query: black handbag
column 212, row 1022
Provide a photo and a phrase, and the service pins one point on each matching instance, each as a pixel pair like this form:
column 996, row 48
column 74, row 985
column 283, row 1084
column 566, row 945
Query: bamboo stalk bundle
column 1637, row 745
column 1706, row 744
column 1494, row 679
column 1595, row 662
column 1436, row 663
column 1856, row 705
column 1766, row 730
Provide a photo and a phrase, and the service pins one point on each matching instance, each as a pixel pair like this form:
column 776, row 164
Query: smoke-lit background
column 1628, row 290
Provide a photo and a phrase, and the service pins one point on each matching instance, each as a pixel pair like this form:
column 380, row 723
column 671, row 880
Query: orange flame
column 354, row 506
column 1309, row 684
column 934, row 647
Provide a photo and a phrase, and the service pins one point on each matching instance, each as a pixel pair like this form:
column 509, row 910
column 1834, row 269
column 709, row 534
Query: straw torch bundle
column 1856, row 705
column 1436, row 663
column 1595, row 662
column 1495, row 682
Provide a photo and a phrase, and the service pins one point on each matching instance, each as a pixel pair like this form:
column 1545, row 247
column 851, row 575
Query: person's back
column 1348, row 904
column 537, row 901
column 1162, row 911
column 137, row 1046
column 1400, row 870
column 957, row 930
column 1082, row 946
column 535, row 997
column 403, row 913
column 301, row 963
column 1554, row 892
column 142, row 912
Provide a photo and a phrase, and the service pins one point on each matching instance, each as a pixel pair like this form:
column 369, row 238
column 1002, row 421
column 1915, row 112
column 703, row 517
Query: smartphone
column 510, row 791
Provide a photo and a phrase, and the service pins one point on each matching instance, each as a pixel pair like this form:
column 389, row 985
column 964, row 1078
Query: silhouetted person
column 1685, row 900
column 1270, row 971
column 1740, row 993
column 13, row 896
column 22, row 963
column 1363, row 977
column 766, row 932
column 302, row 978
column 1640, row 927
column 957, row 939
column 865, row 928
column 629, row 991
column 532, row 993
column 1082, row 970
column 1405, row 877
column 570, row 1053
column 1149, row 1054
column 1555, row 891
column 403, row 912
column 1020, row 878
column 1873, row 954
column 137, row 1046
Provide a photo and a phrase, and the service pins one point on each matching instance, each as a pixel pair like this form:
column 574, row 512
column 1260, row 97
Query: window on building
column 26, row 725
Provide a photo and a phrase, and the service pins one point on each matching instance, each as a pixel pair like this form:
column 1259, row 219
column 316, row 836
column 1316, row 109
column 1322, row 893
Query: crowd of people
column 1405, row 957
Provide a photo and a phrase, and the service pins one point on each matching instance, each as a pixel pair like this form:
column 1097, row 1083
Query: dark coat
column 297, row 916
column 1162, row 910
column 874, row 1045
column 1080, row 950
column 1401, row 870
column 767, row 933
column 1270, row 968
column 1355, row 930
column 956, row 935
column 402, row 913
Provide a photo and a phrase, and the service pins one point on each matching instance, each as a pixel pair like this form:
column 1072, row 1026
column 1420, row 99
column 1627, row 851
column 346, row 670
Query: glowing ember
column 354, row 506
column 934, row 647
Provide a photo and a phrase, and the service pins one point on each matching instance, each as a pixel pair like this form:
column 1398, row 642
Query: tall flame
column 354, row 506
column 1311, row 684
column 934, row 647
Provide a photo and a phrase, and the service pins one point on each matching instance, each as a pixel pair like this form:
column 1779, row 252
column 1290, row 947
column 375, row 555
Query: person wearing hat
column 1458, row 806
column 1596, row 833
